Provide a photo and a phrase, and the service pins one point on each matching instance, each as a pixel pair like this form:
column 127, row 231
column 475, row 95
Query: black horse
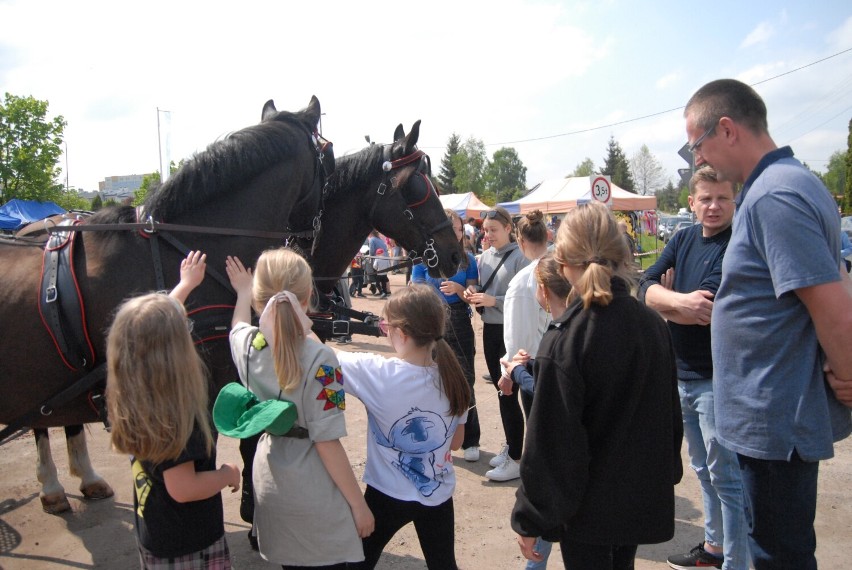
column 242, row 195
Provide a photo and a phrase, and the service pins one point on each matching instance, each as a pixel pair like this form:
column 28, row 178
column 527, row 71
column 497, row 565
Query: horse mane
column 227, row 164
column 354, row 170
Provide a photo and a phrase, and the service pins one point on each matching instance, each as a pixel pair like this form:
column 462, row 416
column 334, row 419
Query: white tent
column 466, row 205
column 563, row 194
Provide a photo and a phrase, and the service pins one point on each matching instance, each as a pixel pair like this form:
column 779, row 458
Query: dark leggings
column 459, row 336
column 341, row 566
column 510, row 408
column 435, row 528
column 582, row 556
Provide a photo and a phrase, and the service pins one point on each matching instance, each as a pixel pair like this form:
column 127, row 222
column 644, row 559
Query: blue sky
column 501, row 71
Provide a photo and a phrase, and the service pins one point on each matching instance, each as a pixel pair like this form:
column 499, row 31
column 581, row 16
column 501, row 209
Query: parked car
column 846, row 225
column 681, row 225
column 667, row 230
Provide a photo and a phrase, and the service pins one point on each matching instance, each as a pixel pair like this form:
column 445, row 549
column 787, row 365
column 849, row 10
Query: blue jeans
column 781, row 499
column 542, row 547
column 718, row 473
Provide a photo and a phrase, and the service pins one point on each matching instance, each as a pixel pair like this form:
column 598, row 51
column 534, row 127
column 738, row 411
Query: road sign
column 685, row 175
column 686, row 155
column 602, row 189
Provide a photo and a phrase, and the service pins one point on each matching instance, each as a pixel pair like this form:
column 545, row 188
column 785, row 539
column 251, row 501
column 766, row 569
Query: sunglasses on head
column 493, row 214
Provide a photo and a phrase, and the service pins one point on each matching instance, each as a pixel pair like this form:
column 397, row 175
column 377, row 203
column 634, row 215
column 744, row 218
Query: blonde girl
column 157, row 401
column 603, row 442
column 309, row 510
column 416, row 408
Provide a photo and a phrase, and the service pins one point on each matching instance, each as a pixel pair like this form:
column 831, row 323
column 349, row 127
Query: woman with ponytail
column 416, row 408
column 603, row 441
column 306, row 470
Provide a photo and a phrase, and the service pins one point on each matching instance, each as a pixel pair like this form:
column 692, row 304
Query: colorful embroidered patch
column 333, row 398
column 326, row 374
column 259, row 341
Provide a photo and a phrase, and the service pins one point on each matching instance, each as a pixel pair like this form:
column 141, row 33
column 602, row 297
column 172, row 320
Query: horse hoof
column 55, row 504
column 97, row 490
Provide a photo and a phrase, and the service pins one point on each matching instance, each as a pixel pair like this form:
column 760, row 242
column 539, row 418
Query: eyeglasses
column 491, row 214
column 697, row 144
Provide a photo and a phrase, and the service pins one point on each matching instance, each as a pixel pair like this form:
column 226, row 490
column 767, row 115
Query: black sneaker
column 695, row 558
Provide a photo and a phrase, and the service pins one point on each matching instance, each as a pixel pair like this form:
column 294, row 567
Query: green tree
column 71, row 200
column 585, row 168
column 616, row 166
column 835, row 176
column 149, row 182
column 667, row 198
column 447, row 174
column 97, row 203
column 505, row 175
column 847, row 192
column 469, row 165
column 30, row 147
column 647, row 172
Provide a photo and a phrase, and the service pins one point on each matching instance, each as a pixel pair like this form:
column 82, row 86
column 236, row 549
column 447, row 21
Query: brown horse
column 265, row 178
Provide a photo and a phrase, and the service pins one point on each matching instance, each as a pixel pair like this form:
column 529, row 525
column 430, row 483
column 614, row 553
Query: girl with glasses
column 416, row 408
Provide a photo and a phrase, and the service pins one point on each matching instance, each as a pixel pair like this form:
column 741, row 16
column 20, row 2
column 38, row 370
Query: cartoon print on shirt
column 416, row 436
column 141, row 485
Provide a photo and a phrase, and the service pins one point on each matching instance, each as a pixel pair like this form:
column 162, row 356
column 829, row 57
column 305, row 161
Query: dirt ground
column 99, row 534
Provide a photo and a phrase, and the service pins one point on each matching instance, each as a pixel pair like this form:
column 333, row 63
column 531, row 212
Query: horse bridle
column 430, row 254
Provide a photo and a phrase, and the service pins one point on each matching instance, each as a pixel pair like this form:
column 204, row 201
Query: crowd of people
column 737, row 340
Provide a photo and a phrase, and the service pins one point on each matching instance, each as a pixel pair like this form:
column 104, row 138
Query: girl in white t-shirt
column 416, row 408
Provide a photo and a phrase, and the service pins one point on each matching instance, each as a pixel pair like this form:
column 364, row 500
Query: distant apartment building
column 120, row 187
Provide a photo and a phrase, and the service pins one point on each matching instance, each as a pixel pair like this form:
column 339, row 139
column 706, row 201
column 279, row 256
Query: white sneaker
column 510, row 469
column 471, row 453
column 500, row 458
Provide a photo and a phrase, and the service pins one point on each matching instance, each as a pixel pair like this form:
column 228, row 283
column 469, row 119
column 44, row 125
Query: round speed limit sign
column 602, row 190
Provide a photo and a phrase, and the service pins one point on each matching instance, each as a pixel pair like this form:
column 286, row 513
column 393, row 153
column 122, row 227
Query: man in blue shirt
column 781, row 323
column 681, row 286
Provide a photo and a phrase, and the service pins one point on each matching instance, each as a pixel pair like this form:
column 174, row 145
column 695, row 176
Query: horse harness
column 421, row 173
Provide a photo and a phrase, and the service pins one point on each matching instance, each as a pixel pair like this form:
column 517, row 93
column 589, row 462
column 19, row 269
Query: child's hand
column 505, row 383
column 192, row 268
column 232, row 476
column 240, row 276
column 365, row 523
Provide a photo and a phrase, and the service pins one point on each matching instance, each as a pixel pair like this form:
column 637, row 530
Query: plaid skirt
column 214, row 557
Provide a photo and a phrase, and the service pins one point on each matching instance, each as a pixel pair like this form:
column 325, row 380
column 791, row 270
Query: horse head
column 388, row 188
column 410, row 211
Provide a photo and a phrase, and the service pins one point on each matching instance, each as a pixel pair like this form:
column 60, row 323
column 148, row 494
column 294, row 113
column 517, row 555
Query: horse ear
column 269, row 111
column 411, row 139
column 313, row 111
column 399, row 133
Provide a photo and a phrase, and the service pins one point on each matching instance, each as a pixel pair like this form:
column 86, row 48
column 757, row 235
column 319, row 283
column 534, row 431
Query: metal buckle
column 339, row 328
column 382, row 188
column 50, row 295
column 408, row 214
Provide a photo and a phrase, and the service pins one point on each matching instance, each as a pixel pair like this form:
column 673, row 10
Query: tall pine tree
column 447, row 174
column 617, row 167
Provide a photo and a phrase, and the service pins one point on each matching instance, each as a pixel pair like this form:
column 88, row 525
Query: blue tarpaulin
column 15, row 214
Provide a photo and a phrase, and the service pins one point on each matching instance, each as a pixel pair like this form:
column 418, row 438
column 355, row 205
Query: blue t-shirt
column 420, row 274
column 771, row 397
column 697, row 261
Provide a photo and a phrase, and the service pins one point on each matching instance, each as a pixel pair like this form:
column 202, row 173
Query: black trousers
column 459, row 335
column 435, row 528
column 581, row 556
column 510, row 408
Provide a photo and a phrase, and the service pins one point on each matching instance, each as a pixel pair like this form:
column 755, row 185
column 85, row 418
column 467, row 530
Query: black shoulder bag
column 491, row 278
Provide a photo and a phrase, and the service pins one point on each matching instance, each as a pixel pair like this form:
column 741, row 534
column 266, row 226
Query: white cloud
column 667, row 80
column 759, row 35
